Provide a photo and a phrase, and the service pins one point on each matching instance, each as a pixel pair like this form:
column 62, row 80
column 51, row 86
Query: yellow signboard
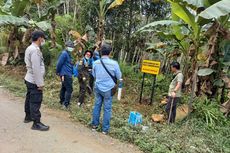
column 151, row 67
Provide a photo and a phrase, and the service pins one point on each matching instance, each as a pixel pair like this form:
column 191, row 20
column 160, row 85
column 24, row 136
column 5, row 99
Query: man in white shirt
column 34, row 81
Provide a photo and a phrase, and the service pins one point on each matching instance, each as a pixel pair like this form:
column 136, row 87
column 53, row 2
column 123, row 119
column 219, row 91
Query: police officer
column 64, row 69
column 34, row 81
column 85, row 77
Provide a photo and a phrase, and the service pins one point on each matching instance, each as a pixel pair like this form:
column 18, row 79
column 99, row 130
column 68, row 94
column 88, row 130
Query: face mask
column 70, row 49
column 86, row 57
column 43, row 42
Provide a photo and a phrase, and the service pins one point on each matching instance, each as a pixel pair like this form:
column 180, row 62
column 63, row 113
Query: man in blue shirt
column 103, row 87
column 64, row 69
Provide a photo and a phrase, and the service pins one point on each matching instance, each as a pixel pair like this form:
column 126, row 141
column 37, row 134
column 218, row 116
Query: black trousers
column 33, row 101
column 172, row 102
column 66, row 90
column 91, row 81
column 85, row 85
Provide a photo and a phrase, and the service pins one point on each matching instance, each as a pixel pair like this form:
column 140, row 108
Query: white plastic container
column 119, row 89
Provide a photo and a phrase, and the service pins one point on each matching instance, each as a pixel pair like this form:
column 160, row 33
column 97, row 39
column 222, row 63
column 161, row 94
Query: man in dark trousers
column 34, row 81
column 174, row 95
column 64, row 69
column 105, row 71
column 85, row 76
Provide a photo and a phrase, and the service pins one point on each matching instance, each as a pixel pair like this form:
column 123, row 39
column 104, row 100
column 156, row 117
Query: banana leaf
column 216, row 10
column 13, row 20
column 44, row 25
column 157, row 23
column 205, row 72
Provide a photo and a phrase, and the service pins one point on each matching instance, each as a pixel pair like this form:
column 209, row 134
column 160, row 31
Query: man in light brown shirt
column 174, row 95
column 34, row 81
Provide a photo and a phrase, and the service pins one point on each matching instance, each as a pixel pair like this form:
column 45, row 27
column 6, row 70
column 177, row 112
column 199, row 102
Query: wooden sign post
column 150, row 67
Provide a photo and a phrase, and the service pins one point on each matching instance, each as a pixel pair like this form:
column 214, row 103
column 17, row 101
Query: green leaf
column 3, row 12
column 157, row 23
column 176, row 29
column 184, row 14
column 168, row 36
column 44, row 25
column 151, row 47
column 218, row 83
column 7, row 6
column 205, row 72
column 210, row 2
column 196, row 3
column 52, row 9
column 225, row 48
column 19, row 7
column 13, row 20
column 216, row 10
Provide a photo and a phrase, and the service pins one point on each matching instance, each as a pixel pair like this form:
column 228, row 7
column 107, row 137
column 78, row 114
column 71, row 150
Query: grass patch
column 193, row 135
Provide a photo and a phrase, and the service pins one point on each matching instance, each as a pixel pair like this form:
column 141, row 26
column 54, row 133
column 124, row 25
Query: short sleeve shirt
column 178, row 78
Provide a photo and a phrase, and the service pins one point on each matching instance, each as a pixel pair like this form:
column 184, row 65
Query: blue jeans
column 106, row 98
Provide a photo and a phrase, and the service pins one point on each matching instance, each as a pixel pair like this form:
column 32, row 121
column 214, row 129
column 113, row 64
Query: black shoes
column 37, row 125
column 94, row 128
column 61, row 102
column 40, row 126
column 27, row 119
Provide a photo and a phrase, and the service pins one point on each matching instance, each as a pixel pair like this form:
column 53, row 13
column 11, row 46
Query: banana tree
column 192, row 16
column 104, row 7
column 14, row 18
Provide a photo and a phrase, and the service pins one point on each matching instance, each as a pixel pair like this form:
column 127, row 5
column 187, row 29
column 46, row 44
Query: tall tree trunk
column 64, row 8
column 67, row 6
column 126, row 54
column 120, row 55
column 128, row 50
column 134, row 55
column 39, row 12
column 75, row 12
column 52, row 31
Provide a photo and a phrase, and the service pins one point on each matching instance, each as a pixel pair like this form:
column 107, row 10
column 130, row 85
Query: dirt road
column 64, row 136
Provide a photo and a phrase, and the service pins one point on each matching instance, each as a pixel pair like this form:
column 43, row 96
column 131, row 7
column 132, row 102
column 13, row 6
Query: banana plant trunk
column 101, row 16
column 101, row 29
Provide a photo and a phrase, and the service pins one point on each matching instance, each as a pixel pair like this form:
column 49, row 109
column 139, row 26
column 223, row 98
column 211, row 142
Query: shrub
column 209, row 112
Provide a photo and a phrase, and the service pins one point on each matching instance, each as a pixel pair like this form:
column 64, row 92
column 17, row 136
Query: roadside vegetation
column 205, row 130
column 195, row 33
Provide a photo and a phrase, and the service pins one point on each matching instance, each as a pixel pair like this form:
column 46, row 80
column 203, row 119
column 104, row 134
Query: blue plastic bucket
column 135, row 118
